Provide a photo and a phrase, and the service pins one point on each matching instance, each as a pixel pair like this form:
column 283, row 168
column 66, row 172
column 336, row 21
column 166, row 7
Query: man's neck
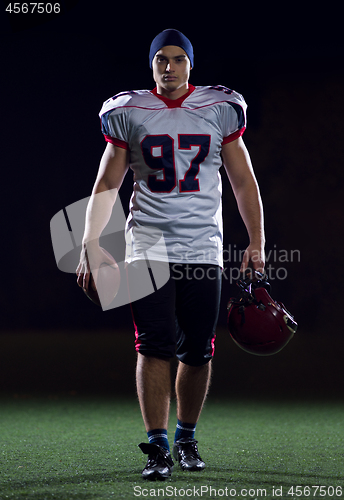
column 173, row 94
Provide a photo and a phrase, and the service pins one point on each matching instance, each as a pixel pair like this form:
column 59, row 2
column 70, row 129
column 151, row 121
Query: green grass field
column 73, row 447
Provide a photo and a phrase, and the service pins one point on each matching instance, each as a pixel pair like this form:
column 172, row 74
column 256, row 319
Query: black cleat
column 159, row 464
column 185, row 451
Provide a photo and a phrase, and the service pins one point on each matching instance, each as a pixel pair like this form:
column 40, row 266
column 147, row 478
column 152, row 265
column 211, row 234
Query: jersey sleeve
column 113, row 121
column 233, row 118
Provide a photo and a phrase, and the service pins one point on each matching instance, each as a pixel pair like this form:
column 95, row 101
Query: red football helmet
column 257, row 323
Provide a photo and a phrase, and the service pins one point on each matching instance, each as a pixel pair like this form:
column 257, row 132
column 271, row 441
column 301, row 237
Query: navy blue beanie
column 171, row 37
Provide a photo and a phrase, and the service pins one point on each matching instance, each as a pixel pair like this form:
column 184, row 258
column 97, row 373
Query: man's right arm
column 112, row 169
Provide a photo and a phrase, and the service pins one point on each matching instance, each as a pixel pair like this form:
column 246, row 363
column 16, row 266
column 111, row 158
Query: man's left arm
column 238, row 166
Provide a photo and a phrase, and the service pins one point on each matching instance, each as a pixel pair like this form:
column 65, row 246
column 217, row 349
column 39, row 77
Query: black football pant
column 179, row 318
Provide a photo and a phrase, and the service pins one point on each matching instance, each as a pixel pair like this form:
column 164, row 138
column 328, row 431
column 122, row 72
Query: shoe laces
column 189, row 448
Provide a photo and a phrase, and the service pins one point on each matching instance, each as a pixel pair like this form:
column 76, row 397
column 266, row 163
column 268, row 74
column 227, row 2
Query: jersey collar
column 174, row 103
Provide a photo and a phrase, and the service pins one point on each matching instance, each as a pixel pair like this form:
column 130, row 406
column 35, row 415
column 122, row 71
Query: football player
column 175, row 138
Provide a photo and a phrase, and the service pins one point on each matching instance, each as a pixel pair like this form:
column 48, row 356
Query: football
column 91, row 292
column 108, row 282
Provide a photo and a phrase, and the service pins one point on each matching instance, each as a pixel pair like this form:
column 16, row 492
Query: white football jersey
column 175, row 154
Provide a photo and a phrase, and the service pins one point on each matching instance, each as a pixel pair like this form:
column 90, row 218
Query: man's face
column 171, row 68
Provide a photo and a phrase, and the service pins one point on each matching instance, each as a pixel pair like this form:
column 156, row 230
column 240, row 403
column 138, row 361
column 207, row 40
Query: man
column 176, row 137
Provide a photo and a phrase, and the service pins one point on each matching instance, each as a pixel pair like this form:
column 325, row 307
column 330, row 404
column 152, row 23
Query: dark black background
column 57, row 70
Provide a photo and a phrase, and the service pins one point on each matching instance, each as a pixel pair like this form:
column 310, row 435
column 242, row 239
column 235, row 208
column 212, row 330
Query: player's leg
column 155, row 344
column 154, row 320
column 192, row 384
column 197, row 305
column 153, row 382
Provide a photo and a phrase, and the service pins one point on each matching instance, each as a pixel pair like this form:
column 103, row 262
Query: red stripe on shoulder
column 232, row 137
column 116, row 142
